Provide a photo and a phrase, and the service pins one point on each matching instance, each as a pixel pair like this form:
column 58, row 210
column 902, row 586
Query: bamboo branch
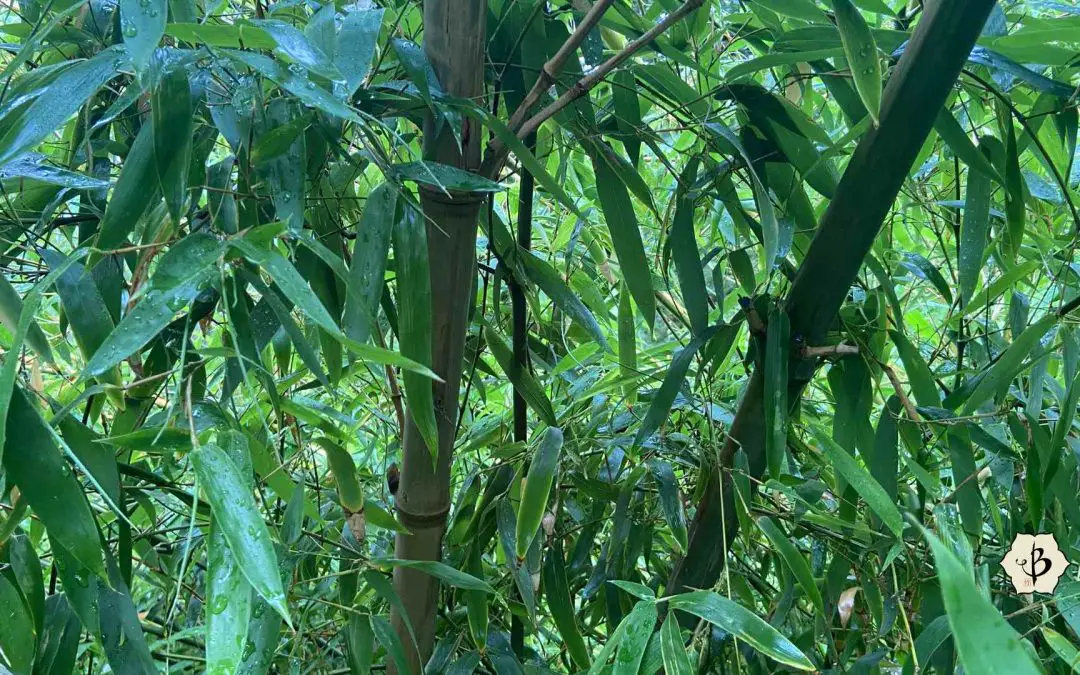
column 829, row 350
column 497, row 152
column 898, row 387
column 555, row 64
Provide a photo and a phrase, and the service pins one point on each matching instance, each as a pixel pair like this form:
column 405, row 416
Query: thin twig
column 497, row 152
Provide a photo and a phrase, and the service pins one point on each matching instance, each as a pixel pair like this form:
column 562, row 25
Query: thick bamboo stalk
column 454, row 34
column 914, row 95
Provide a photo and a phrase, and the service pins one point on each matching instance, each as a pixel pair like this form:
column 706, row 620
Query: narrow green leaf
column 849, row 468
column 1015, row 208
column 233, row 505
column 770, row 227
column 368, row 266
column 743, row 624
column 34, row 463
column 523, row 381
column 958, row 141
column 919, row 376
column 444, row 177
column 172, row 120
column 359, row 645
column 777, row 353
column 973, row 233
column 477, row 601
column 228, row 605
column 985, row 641
column 291, row 43
column 662, row 402
column 549, row 281
column 442, row 572
column 639, row 625
column 136, row 189
column 998, row 377
column 154, row 311
column 537, row 484
column 780, row 59
column 560, row 604
column 357, row 38
column 344, row 471
column 861, row 52
column 414, row 322
column 1065, row 650
column 11, row 308
column 793, row 559
column 625, row 237
column 16, row 629
column 684, row 251
column 628, row 369
column 142, row 23
column 52, row 105
column 388, row 638
column 670, row 501
column 676, row 655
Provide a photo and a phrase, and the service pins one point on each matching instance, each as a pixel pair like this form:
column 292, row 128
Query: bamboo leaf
column 685, row 254
column 627, row 343
column 673, row 380
column 16, row 630
column 241, row 523
column 52, row 105
column 861, row 52
column 136, row 189
column 561, row 606
column 638, row 627
column 973, row 234
column 34, row 463
column 357, row 37
column 170, row 104
column 793, row 559
column 998, row 377
column 670, row 501
column 625, row 237
column 676, row 655
column 537, row 487
column 341, row 465
column 11, row 308
column 228, row 605
column 155, row 310
column 142, row 23
column 985, row 641
column 549, row 281
column 1063, row 648
column 414, row 322
column 743, row 624
column 919, row 376
column 777, row 352
column 876, row 498
column 444, row 573
column 368, row 264
column 523, row 381
column 958, row 141
column 293, row 45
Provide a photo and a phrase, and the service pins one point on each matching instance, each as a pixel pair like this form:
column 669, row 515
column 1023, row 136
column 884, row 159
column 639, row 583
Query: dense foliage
column 217, row 325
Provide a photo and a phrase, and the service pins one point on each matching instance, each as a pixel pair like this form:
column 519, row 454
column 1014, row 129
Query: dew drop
column 249, row 649
column 130, row 30
column 219, row 605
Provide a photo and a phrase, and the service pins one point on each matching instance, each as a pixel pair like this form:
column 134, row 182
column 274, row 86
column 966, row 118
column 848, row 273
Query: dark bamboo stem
column 915, row 93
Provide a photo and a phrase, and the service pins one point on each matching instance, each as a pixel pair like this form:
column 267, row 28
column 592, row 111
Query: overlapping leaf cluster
column 216, row 307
